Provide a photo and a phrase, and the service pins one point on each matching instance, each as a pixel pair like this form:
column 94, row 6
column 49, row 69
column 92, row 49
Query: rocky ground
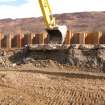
column 89, row 58
column 69, row 77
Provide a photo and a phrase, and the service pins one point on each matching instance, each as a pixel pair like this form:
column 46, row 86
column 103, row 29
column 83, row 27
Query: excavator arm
column 56, row 33
column 47, row 14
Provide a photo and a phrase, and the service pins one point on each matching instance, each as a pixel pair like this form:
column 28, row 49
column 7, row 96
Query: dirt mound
column 92, row 60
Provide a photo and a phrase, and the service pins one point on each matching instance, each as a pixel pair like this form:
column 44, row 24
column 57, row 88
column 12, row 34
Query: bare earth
column 48, row 82
column 45, row 81
column 35, row 87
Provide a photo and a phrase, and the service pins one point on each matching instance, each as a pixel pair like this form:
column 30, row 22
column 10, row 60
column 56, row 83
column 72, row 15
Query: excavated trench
column 87, row 59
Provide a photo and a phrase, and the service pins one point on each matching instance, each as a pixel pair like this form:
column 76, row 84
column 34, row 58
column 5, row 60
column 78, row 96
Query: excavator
column 56, row 33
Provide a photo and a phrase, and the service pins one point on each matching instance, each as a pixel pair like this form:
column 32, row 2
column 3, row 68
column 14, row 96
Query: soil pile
column 92, row 60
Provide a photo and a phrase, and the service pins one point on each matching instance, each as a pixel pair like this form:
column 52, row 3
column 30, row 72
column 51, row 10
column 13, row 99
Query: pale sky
column 30, row 8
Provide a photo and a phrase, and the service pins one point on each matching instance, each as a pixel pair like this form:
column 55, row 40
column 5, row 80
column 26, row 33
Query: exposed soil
column 70, row 77
column 83, row 59
column 52, row 78
column 33, row 88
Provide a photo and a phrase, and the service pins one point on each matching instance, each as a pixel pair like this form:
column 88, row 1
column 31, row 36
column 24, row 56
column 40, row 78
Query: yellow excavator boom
column 56, row 34
column 47, row 14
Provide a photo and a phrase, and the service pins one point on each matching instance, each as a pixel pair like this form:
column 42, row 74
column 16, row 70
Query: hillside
column 84, row 21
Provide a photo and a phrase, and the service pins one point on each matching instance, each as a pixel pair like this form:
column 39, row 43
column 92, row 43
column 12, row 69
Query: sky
column 30, row 8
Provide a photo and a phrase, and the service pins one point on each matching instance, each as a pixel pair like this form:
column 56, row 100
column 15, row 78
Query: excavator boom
column 56, row 33
column 47, row 14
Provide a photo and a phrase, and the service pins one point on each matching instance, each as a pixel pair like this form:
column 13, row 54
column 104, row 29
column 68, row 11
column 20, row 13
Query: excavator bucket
column 57, row 35
column 56, row 38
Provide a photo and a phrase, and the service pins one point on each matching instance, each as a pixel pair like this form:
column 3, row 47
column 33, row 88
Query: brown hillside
column 84, row 21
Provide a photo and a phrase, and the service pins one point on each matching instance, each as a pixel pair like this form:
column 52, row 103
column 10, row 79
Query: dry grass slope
column 84, row 21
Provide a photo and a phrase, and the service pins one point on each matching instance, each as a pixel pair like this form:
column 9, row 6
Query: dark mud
column 92, row 60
